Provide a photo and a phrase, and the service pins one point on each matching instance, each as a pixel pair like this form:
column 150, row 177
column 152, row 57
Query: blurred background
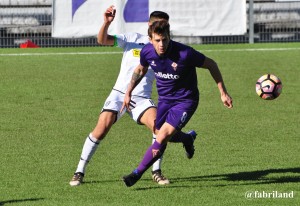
column 39, row 20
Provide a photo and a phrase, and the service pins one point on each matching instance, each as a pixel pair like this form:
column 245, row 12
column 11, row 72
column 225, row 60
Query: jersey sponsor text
column 167, row 75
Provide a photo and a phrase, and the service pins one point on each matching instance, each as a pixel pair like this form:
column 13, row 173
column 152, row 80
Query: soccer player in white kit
column 143, row 109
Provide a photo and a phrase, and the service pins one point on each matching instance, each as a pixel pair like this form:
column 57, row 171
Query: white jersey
column 132, row 43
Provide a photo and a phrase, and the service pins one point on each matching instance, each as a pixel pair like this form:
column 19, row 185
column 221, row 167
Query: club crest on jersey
column 136, row 52
column 153, row 63
column 107, row 103
column 174, row 65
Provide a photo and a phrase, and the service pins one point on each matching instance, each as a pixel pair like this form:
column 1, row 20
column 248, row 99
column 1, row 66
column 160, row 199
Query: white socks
column 90, row 146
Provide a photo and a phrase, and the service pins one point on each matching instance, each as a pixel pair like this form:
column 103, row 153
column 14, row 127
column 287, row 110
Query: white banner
column 83, row 18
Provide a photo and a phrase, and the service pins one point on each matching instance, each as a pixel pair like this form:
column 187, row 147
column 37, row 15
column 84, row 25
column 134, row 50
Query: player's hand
column 126, row 103
column 110, row 13
column 227, row 100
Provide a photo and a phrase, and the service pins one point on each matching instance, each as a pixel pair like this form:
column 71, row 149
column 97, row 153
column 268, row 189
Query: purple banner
column 136, row 11
column 75, row 5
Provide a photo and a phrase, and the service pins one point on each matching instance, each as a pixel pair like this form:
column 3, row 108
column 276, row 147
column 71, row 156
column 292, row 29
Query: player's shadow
column 239, row 178
column 20, row 200
column 252, row 177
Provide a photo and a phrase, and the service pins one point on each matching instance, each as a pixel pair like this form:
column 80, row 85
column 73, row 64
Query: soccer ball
column 268, row 87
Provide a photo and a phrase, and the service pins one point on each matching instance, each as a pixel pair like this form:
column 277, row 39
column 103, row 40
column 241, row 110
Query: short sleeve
column 120, row 40
column 195, row 58
column 143, row 57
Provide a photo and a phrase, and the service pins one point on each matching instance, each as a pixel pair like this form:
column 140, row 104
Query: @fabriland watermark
column 269, row 195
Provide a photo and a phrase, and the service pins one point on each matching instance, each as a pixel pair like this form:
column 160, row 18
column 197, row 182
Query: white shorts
column 139, row 105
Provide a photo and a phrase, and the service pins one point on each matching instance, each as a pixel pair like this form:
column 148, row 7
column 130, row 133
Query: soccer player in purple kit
column 174, row 65
column 143, row 110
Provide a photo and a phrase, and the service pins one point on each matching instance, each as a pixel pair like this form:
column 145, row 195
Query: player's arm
column 103, row 38
column 137, row 76
column 214, row 70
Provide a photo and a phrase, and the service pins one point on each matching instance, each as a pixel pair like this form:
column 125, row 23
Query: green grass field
column 50, row 100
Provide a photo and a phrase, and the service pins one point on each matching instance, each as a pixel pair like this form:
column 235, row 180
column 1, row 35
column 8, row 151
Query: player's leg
column 148, row 118
column 154, row 152
column 105, row 122
column 187, row 139
column 109, row 115
column 181, row 114
column 157, row 148
column 170, row 119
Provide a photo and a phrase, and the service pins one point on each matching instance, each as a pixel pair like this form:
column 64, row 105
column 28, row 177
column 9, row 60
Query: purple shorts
column 176, row 114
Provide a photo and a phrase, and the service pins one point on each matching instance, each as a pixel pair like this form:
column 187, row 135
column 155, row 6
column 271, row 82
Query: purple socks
column 154, row 152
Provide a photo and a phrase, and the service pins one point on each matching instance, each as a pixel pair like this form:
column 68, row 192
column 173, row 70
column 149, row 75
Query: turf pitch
column 51, row 98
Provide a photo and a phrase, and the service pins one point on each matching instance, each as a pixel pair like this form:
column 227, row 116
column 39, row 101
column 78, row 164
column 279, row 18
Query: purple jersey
column 175, row 72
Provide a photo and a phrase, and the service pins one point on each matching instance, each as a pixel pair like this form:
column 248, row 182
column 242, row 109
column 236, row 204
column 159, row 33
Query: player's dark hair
column 159, row 15
column 160, row 28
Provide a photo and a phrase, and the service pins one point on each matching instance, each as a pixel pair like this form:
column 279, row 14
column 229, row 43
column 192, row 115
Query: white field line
column 60, row 53
column 106, row 53
column 251, row 50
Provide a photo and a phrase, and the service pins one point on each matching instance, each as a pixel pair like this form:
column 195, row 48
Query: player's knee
column 99, row 134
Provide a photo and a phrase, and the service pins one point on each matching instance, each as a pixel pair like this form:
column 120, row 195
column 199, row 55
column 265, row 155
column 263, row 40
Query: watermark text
column 269, row 195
